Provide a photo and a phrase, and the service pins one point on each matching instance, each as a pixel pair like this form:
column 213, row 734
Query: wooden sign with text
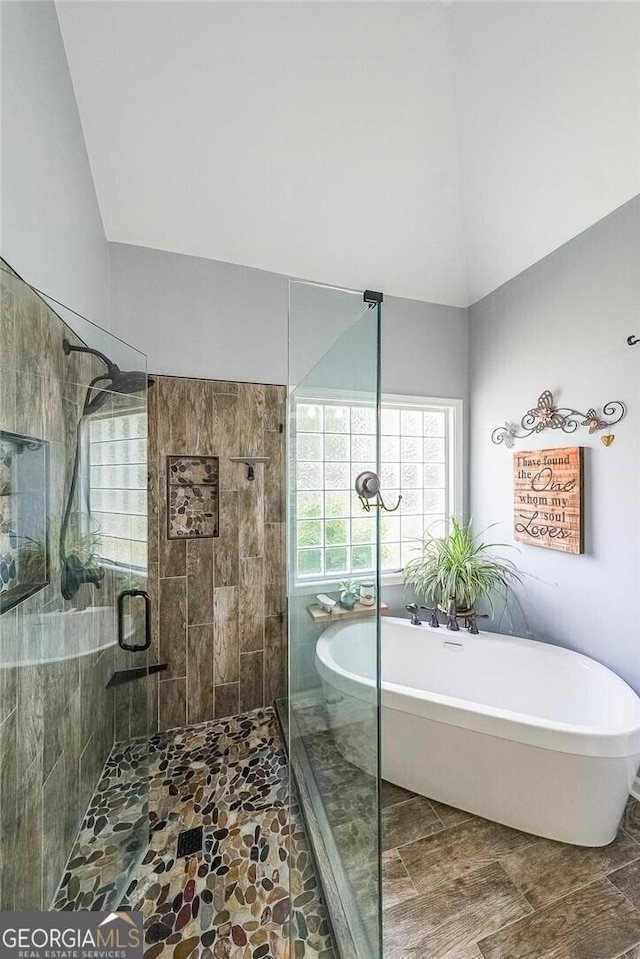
column 548, row 498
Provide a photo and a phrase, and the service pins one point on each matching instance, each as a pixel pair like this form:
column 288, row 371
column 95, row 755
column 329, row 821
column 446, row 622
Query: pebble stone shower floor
column 454, row 886
column 253, row 884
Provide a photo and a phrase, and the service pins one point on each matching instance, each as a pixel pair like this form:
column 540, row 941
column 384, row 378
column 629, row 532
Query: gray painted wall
column 198, row 317
column 51, row 230
column 425, row 352
column 425, row 349
column 562, row 325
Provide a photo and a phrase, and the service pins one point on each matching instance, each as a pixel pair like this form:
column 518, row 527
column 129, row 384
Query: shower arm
column 69, row 348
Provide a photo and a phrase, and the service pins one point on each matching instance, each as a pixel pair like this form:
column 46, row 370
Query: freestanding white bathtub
column 527, row 734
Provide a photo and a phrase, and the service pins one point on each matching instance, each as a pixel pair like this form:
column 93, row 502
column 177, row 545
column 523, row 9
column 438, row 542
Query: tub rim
column 620, row 739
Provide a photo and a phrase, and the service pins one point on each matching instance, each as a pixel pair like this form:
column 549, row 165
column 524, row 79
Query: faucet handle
column 473, row 622
column 434, row 622
column 452, row 615
column 413, row 609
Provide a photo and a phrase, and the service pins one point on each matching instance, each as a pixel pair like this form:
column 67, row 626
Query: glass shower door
column 113, row 506
column 334, row 657
column 73, row 538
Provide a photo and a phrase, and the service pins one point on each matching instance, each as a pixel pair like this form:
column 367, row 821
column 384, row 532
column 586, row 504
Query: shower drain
column 189, row 842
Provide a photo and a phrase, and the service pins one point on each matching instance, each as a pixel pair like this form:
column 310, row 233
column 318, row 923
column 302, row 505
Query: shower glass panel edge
column 333, row 731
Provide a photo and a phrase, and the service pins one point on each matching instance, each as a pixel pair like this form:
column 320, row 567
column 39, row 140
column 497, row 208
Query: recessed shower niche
column 193, row 497
column 24, row 546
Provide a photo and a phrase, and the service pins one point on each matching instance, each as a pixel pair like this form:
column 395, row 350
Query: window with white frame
column 116, row 486
column 420, row 460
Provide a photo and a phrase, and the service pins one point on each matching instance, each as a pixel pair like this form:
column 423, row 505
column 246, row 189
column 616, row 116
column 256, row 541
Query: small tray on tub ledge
column 320, row 615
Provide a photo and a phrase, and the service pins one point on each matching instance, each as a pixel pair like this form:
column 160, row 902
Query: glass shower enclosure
column 333, row 538
column 74, row 647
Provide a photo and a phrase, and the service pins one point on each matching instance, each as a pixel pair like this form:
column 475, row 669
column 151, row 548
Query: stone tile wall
column 219, row 614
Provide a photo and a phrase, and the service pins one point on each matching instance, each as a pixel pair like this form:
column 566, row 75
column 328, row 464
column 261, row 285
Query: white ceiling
column 429, row 150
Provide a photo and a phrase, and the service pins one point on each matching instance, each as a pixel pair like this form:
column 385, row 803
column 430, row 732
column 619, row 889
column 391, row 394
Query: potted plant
column 349, row 592
column 80, row 560
column 459, row 566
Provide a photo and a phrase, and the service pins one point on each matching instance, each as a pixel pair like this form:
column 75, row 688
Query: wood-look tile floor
column 456, row 886
column 459, row 887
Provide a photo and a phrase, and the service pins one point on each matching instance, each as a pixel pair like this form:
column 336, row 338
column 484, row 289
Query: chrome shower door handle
column 132, row 647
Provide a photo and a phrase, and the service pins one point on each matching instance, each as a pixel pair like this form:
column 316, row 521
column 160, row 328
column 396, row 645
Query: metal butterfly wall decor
column 547, row 416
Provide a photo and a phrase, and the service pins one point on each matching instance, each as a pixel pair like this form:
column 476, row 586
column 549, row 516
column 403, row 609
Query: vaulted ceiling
column 429, row 150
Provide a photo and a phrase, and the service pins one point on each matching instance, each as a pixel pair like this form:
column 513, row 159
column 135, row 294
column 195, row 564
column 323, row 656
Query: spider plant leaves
column 460, row 565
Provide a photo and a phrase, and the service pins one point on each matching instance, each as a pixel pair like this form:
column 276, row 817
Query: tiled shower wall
column 218, row 604
column 56, row 718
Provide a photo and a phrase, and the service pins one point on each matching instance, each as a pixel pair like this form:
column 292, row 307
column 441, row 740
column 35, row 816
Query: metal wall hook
column 632, row 340
column 367, row 487
column 389, row 509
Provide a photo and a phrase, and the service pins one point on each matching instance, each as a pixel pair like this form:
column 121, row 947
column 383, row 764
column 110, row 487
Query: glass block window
column 117, row 486
column 335, row 537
